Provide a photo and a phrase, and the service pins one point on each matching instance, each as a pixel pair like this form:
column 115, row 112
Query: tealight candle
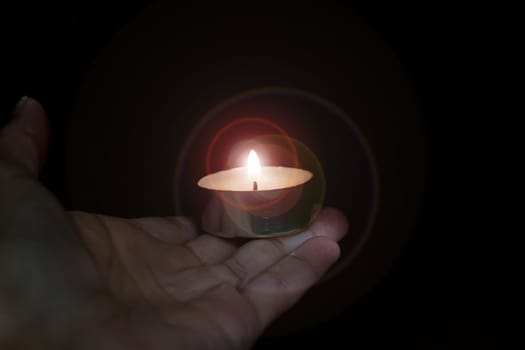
column 263, row 201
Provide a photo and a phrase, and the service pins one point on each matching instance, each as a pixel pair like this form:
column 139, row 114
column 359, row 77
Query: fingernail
column 19, row 105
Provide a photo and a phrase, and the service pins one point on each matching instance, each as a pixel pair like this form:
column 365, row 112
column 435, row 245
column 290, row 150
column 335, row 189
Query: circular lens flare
column 275, row 106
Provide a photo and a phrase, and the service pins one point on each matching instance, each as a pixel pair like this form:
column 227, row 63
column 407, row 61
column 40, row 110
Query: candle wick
column 255, row 185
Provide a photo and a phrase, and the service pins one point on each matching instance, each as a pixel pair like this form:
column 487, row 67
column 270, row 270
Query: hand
column 86, row 281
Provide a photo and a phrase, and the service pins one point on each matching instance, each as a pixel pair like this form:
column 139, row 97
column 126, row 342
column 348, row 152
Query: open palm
column 149, row 283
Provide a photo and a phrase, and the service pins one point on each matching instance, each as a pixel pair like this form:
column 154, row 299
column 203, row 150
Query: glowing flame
column 253, row 164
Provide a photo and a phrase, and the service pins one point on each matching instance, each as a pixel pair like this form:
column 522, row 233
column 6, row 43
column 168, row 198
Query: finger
column 23, row 141
column 258, row 255
column 330, row 223
column 172, row 229
column 133, row 261
column 190, row 283
column 97, row 233
column 180, row 230
column 248, row 261
column 212, row 250
column 281, row 286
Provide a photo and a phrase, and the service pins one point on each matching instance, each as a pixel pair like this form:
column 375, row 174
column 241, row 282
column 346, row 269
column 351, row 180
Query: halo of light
column 238, row 123
column 309, row 97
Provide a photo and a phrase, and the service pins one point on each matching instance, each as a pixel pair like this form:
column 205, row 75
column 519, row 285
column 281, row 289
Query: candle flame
column 254, row 166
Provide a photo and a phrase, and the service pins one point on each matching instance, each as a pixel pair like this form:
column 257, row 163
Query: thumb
column 23, row 142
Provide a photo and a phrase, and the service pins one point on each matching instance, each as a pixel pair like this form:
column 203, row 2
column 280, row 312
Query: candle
column 254, row 177
column 263, row 201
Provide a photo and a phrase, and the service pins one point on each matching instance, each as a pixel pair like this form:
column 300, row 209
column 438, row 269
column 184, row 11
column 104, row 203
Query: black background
column 455, row 283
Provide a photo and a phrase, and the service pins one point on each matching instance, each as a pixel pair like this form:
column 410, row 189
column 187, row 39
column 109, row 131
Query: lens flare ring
column 336, row 111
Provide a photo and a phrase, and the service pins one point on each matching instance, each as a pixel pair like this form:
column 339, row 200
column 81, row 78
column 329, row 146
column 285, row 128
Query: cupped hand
column 82, row 281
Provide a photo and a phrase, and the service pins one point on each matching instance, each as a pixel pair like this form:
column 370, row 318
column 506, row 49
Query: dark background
column 455, row 284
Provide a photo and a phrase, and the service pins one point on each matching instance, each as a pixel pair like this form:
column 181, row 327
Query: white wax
column 269, row 178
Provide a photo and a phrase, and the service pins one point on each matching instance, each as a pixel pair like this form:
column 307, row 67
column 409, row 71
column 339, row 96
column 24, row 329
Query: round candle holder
column 285, row 201
column 270, row 213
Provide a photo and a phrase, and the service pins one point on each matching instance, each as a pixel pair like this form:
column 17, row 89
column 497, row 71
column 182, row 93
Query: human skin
column 77, row 280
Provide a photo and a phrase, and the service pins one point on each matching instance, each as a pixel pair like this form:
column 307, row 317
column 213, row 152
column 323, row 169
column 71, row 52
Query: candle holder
column 270, row 213
column 276, row 201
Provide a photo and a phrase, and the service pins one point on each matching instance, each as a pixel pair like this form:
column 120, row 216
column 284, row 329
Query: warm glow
column 254, row 166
